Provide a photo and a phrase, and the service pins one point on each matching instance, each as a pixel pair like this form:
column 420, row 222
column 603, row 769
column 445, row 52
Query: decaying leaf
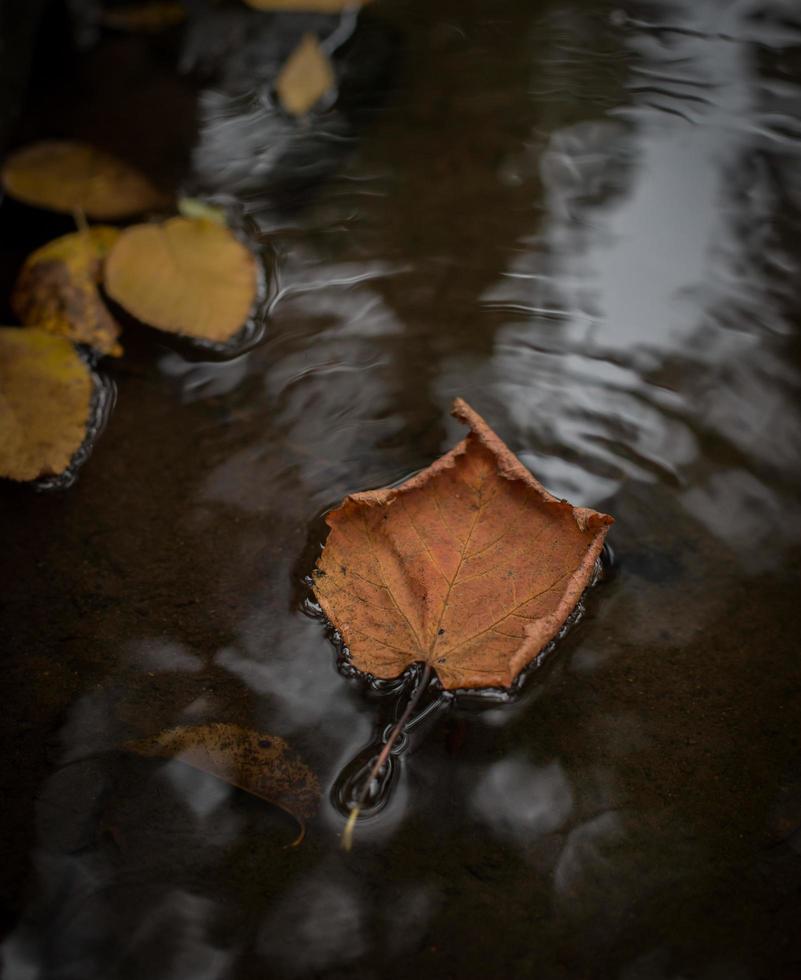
column 313, row 6
column 263, row 765
column 305, row 78
column 144, row 17
column 190, row 277
column 470, row 566
column 45, row 401
column 57, row 289
column 69, row 176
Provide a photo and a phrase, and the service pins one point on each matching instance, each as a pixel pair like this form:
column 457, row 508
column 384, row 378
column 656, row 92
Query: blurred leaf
column 263, row 765
column 312, row 6
column 193, row 207
column 471, row 566
column 57, row 289
column 305, row 78
column 144, row 17
column 186, row 276
column 45, row 401
column 68, row 176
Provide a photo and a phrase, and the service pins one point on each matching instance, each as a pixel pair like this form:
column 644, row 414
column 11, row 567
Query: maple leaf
column 263, row 765
column 57, row 289
column 471, row 566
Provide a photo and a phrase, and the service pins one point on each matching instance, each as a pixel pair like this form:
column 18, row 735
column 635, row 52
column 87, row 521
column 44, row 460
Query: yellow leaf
column 57, row 289
column 45, row 399
column 68, row 176
column 189, row 277
column 305, row 78
column 148, row 17
column 193, row 207
column 263, row 765
column 315, row 6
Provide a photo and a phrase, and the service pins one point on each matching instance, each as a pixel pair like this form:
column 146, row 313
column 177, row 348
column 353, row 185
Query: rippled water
column 584, row 219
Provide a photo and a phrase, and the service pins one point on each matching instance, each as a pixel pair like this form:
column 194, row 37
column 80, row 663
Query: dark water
column 584, row 219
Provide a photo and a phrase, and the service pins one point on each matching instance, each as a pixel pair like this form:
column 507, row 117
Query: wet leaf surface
column 57, row 289
column 305, row 78
column 68, row 176
column 45, row 401
column 471, row 566
column 186, row 276
column 263, row 765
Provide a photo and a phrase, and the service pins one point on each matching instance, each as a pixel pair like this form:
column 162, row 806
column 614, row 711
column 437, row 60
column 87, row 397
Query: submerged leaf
column 57, row 289
column 312, row 6
column 45, row 401
column 66, row 175
column 471, row 566
column 305, row 78
column 145, row 17
column 187, row 276
column 263, row 765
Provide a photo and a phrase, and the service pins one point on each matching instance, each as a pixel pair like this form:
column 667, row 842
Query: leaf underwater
column 263, row 765
column 57, row 289
column 305, row 77
column 45, row 402
column 145, row 17
column 187, row 276
column 470, row 566
column 309, row 6
column 69, row 176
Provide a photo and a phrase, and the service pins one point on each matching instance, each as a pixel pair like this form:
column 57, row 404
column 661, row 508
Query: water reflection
column 522, row 801
column 663, row 235
column 583, row 219
column 320, row 927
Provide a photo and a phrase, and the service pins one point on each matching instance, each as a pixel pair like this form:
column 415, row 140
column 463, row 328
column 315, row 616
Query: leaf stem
column 378, row 765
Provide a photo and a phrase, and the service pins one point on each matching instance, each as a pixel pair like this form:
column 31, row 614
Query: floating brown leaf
column 45, row 400
column 69, row 176
column 187, row 276
column 471, row 566
column 57, row 289
column 145, row 17
column 305, row 78
column 316, row 6
column 263, row 765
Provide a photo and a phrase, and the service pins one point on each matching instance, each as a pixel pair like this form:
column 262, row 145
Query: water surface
column 581, row 217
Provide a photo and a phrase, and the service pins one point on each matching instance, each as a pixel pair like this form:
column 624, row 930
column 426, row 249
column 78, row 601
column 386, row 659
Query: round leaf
column 190, row 277
column 65, row 175
column 57, row 289
column 305, row 78
column 45, row 400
